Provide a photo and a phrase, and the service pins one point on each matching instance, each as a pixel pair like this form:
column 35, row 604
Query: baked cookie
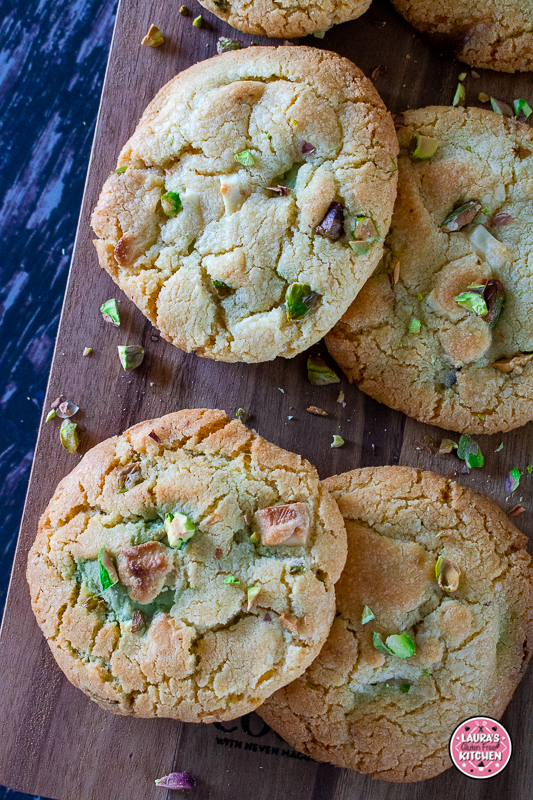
column 185, row 569
column 409, row 656
column 284, row 19
column 252, row 201
column 493, row 34
column 426, row 335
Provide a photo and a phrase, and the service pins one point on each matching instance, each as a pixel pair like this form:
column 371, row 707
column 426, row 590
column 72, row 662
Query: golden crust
column 196, row 652
column 392, row 717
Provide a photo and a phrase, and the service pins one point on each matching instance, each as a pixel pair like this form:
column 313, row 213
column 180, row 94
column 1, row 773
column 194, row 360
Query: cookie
column 493, row 34
column 252, row 201
column 418, row 337
column 284, row 19
column 410, row 656
column 186, row 569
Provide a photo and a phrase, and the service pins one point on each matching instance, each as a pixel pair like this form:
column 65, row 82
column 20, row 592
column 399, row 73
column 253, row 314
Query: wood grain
column 53, row 740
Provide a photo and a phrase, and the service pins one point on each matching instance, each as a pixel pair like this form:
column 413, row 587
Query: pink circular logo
column 480, row 747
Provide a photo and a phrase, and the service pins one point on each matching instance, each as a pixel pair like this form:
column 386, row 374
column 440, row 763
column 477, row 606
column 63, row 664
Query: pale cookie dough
column 493, row 34
column 285, row 19
column 216, row 278
column 392, row 716
column 204, row 620
column 410, row 344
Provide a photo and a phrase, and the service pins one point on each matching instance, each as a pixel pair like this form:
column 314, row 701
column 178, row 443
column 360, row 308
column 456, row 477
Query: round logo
column 480, row 747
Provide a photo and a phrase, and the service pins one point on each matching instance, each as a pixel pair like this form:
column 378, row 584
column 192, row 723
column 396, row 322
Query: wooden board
column 53, row 740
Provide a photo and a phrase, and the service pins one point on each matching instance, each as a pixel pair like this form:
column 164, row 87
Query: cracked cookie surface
column 215, row 276
column 410, row 344
column 284, row 19
column 493, row 34
column 392, row 717
column 206, row 626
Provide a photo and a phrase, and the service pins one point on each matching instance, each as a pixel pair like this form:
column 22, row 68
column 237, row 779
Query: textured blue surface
column 52, row 63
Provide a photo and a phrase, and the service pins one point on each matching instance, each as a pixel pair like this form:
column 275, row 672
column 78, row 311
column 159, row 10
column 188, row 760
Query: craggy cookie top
column 427, row 334
column 185, row 569
column 288, row 19
column 252, row 201
column 411, row 654
column 494, row 34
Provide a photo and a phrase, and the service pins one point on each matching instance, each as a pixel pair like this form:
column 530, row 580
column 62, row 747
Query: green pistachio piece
column 223, row 290
column 87, row 351
column 108, row 573
column 461, row 216
column 320, row 34
column 319, row 374
column 137, row 621
column 51, row 414
column 405, row 687
column 415, row 326
column 252, row 593
column 299, row 300
column 179, row 529
column 223, row 45
column 119, row 170
column 243, row 415
column 154, row 37
column 69, row 435
column 472, row 301
column 499, row 107
column 255, row 538
column 361, row 248
column 288, row 179
column 469, row 451
column 447, row 446
column 170, row 204
column 512, row 480
column 365, row 234
column 522, row 110
column 460, row 95
column 447, row 575
column 131, row 356
column 423, row 146
column 110, row 312
column 462, row 76
column 296, row 569
column 338, row 441
column 399, row 645
column 197, row 21
column 245, row 158
column 232, row 580
column 367, row 615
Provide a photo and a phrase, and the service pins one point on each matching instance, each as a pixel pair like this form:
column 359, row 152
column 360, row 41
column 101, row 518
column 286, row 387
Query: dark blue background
column 52, row 63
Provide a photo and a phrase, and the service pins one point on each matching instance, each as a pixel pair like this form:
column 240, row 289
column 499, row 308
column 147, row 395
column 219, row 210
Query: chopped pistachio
column 461, row 216
column 69, row 436
column 110, row 313
column 251, row 594
column 286, row 525
column 423, row 146
column 521, row 152
column 66, row 409
column 500, row 219
column 500, row 447
column 283, row 191
column 447, row 575
column 179, row 529
column 501, row 108
column 197, row 21
column 245, row 158
column 290, row 622
column 131, row 356
column 405, row 687
column 483, row 98
column 469, row 451
column 320, row 34
column 514, row 512
column 108, row 572
column 184, row 11
column 415, row 326
column 529, row 466
column 177, row 781
column 367, row 615
column 512, row 480
column 516, row 364
column 399, row 645
column 365, row 230
column 254, row 538
column 460, row 95
column 494, row 296
column 170, row 204
column 319, row 374
column 317, row 411
column 128, row 476
column 154, row 37
column 232, row 192
column 338, row 441
column 361, row 248
column 340, row 398
column 522, row 110
column 294, row 122
column 447, row 446
column 472, row 301
column 223, row 45
column 299, row 300
column 296, row 569
column 306, row 148
column 223, row 290
column 232, row 580
column 332, row 224
column 137, row 621
column 462, row 76
column 51, row 414
column 119, row 170
column 87, row 351
column 243, row 415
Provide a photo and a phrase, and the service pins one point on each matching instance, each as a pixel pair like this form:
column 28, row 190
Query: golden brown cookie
column 493, row 34
column 426, row 335
column 235, row 219
column 186, row 568
column 411, row 655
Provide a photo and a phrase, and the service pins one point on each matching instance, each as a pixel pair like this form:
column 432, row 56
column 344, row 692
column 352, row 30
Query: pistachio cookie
column 251, row 203
column 285, row 19
column 443, row 331
column 186, row 569
column 434, row 624
column 493, row 34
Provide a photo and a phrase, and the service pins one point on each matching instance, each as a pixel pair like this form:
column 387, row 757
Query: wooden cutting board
column 53, row 740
